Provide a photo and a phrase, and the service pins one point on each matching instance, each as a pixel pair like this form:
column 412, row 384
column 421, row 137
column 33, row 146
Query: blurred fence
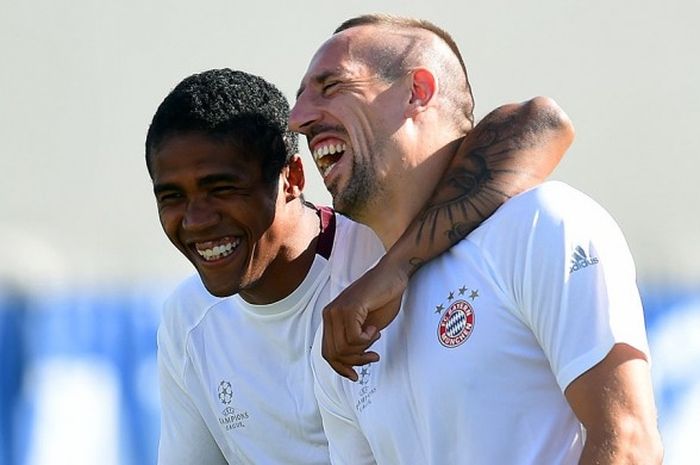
column 78, row 378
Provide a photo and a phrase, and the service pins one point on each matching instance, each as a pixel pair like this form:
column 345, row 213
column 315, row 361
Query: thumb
column 383, row 315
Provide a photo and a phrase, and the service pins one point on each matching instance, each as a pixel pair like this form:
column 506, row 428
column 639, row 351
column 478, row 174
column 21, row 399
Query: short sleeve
column 184, row 437
column 579, row 291
column 569, row 271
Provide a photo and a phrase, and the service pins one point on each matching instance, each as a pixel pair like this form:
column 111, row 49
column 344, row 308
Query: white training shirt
column 473, row 369
column 236, row 382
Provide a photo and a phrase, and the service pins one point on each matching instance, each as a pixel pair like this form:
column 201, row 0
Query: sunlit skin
column 382, row 123
column 613, row 400
column 342, row 101
column 210, row 195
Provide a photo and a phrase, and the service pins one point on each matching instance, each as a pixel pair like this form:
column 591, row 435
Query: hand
column 353, row 321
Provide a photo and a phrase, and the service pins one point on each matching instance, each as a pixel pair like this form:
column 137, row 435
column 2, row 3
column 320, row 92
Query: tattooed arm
column 514, row 148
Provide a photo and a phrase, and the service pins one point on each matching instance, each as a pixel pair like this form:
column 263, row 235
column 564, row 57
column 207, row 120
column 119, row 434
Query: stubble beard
column 362, row 187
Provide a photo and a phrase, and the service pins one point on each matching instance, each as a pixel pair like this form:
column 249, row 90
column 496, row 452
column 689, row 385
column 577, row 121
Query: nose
column 304, row 113
column 199, row 215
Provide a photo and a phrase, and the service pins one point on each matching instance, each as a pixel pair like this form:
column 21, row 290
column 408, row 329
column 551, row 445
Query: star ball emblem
column 364, row 375
column 225, row 392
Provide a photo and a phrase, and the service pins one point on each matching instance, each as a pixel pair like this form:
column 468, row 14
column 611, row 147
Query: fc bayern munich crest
column 456, row 324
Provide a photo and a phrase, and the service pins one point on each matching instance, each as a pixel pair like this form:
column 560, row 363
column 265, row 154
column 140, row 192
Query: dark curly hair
column 233, row 106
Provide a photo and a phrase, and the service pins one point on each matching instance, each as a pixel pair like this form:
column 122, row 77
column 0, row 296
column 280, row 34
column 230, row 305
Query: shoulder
column 357, row 233
column 552, row 207
column 188, row 302
column 184, row 309
column 328, row 385
column 355, row 249
column 541, row 232
column 555, row 199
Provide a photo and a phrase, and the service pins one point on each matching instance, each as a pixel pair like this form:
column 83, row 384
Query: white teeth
column 218, row 251
column 321, row 152
column 325, row 170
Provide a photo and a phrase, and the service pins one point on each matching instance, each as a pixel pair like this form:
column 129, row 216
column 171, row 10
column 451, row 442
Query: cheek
column 169, row 221
column 267, row 234
column 264, row 223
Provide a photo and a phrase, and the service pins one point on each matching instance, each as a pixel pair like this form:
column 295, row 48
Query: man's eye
column 169, row 197
column 224, row 189
column 329, row 86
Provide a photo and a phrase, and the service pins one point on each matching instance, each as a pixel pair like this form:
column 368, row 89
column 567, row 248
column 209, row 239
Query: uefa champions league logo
column 232, row 418
column 225, row 392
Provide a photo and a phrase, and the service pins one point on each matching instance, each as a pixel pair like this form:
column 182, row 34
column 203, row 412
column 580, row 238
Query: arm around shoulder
column 514, row 148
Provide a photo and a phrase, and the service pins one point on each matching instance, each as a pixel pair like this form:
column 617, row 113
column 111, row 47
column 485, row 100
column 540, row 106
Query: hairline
column 423, row 31
column 218, row 137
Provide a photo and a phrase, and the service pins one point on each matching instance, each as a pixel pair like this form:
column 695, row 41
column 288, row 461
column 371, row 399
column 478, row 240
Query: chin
column 219, row 290
column 222, row 293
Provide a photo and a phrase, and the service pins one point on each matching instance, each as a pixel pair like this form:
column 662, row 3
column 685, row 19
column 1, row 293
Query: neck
column 291, row 264
column 409, row 194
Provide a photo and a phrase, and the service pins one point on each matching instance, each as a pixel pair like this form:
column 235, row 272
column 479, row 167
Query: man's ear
column 423, row 87
column 294, row 179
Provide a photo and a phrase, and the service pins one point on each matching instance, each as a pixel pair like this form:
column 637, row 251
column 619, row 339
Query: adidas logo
column 581, row 260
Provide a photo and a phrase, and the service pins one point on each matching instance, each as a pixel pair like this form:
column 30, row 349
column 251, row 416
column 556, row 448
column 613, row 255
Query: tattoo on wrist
column 415, row 263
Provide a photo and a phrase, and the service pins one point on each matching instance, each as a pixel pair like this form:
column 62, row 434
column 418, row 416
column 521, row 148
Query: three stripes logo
column 580, row 260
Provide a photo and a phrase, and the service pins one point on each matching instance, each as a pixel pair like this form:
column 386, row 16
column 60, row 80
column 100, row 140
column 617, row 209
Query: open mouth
column 212, row 251
column 327, row 154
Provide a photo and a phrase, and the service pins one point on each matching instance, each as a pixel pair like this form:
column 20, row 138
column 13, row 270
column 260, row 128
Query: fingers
column 382, row 316
column 351, row 323
column 344, row 365
column 345, row 341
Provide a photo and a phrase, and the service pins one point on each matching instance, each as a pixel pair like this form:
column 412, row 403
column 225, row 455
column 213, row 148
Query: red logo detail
column 456, row 324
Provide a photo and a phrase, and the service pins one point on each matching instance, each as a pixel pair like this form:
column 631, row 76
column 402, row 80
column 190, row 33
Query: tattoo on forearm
column 483, row 177
column 466, row 186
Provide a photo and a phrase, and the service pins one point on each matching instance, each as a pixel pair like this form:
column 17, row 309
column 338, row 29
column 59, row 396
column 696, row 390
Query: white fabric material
column 538, row 295
column 236, row 382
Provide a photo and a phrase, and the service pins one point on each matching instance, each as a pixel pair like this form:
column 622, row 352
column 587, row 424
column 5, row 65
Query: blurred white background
column 81, row 80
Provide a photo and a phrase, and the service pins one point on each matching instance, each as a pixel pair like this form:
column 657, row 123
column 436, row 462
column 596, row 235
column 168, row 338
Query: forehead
column 197, row 155
column 332, row 53
column 337, row 56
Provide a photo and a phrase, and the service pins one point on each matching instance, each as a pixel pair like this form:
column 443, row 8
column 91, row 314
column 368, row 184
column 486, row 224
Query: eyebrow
column 205, row 181
column 216, row 178
column 167, row 187
column 318, row 79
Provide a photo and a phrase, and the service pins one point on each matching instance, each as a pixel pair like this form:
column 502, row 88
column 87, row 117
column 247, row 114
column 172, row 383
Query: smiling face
column 216, row 209
column 350, row 117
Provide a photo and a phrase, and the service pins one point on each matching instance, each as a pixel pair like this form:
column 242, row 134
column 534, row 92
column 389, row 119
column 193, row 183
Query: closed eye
column 168, row 197
column 227, row 190
column 329, row 86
